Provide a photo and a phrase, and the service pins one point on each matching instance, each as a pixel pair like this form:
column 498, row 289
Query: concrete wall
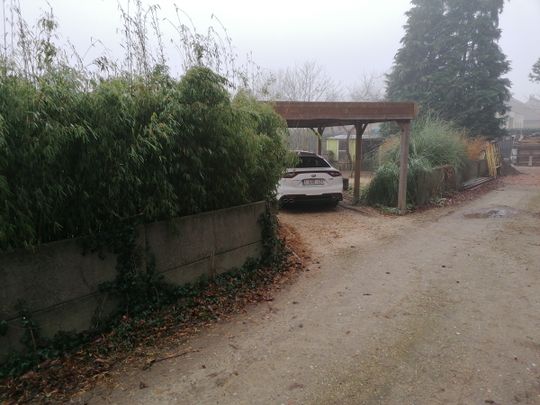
column 60, row 285
column 205, row 244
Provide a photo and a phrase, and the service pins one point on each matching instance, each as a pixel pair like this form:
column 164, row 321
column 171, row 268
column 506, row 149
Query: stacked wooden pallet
column 493, row 157
column 528, row 152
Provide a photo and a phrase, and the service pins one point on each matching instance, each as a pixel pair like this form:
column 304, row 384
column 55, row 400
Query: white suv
column 313, row 178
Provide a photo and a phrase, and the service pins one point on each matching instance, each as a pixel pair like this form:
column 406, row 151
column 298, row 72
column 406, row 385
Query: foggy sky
column 347, row 37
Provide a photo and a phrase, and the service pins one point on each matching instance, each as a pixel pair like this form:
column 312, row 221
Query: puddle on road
column 493, row 212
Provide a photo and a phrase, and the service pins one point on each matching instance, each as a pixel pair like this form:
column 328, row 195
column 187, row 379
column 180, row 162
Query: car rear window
column 311, row 161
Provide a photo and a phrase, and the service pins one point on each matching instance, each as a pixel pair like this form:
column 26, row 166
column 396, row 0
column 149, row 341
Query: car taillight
column 334, row 173
column 289, row 175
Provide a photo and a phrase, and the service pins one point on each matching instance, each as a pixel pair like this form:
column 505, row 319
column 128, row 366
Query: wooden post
column 360, row 128
column 320, row 131
column 403, row 165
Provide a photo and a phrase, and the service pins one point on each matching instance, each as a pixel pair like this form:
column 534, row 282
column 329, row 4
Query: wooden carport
column 321, row 115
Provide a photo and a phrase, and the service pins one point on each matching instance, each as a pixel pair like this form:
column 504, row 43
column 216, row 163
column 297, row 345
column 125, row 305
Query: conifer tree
column 535, row 74
column 450, row 62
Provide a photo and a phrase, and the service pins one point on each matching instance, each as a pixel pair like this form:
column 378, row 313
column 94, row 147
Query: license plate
column 313, row 182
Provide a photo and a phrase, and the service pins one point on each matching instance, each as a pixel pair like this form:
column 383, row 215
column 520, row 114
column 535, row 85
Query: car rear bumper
column 293, row 198
column 333, row 187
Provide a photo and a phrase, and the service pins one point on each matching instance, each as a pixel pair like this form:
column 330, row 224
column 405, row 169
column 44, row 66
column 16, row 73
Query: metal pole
column 403, row 166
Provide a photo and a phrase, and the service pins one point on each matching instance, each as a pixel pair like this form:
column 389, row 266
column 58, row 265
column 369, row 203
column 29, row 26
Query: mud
column 493, row 212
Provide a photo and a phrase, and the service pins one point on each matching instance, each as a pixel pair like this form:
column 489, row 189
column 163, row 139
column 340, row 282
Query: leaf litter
column 137, row 342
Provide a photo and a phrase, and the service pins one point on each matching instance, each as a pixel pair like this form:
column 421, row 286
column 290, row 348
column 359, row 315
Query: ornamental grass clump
column 433, row 143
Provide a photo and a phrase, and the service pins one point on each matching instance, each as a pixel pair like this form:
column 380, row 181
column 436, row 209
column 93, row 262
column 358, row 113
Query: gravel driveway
column 440, row 307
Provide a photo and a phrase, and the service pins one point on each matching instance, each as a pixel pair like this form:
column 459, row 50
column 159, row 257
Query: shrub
column 90, row 148
column 433, row 143
column 433, row 139
column 383, row 188
column 78, row 160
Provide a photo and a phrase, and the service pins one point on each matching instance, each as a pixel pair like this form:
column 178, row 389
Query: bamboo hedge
column 80, row 157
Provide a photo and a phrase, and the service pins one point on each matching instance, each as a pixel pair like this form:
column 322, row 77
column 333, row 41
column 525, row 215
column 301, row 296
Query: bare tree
column 306, row 82
column 370, row 87
column 349, row 130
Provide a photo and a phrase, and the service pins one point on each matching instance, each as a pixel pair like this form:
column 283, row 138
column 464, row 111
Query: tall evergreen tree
column 450, row 62
column 535, row 74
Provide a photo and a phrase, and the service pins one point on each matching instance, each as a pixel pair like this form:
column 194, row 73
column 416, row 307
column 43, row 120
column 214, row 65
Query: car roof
column 305, row 153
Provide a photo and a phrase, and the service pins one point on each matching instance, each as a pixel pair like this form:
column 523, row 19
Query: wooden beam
column 403, row 165
column 360, row 128
column 303, row 114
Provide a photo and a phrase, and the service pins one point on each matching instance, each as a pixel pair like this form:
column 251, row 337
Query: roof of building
column 530, row 110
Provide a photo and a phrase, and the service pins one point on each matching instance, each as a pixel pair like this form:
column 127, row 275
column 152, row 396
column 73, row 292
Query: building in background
column 336, row 148
column 523, row 117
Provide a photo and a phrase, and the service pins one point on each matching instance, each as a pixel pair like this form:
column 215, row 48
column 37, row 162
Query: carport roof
column 309, row 114
column 320, row 115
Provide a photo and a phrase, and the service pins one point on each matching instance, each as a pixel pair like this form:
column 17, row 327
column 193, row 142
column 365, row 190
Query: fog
column 348, row 38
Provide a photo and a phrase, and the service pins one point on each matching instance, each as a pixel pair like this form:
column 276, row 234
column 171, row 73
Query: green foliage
column 3, row 327
column 31, row 336
column 136, row 287
column 450, row 62
column 437, row 141
column 85, row 152
column 95, row 155
column 273, row 247
column 433, row 143
column 79, row 161
column 383, row 188
column 35, row 344
column 535, row 73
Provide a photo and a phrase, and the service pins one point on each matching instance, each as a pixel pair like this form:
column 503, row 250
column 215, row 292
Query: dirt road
column 441, row 307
